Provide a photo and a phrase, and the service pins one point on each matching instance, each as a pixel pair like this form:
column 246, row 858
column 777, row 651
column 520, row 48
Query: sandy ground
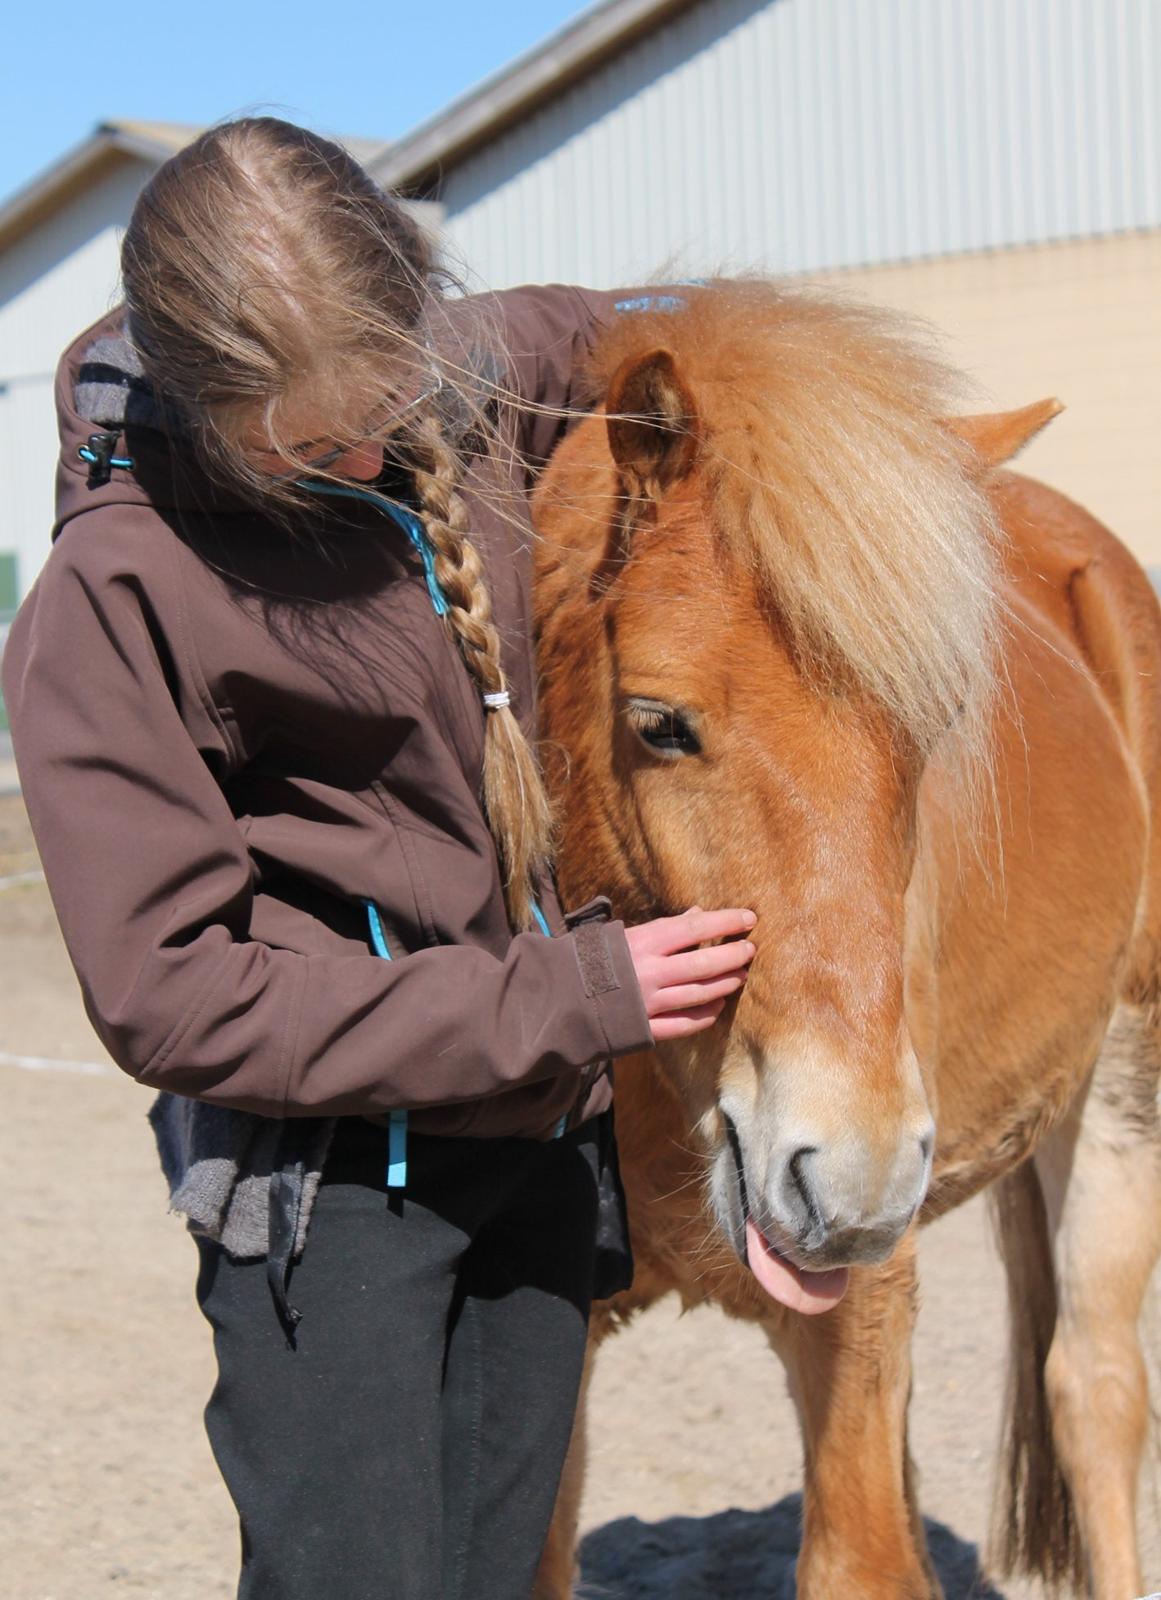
column 107, row 1483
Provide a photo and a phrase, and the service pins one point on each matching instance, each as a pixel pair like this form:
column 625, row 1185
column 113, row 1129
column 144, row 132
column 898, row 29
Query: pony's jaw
column 826, row 1183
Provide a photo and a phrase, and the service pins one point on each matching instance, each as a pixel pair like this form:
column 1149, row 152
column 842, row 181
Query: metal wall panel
column 53, row 282
column 64, row 272
column 799, row 135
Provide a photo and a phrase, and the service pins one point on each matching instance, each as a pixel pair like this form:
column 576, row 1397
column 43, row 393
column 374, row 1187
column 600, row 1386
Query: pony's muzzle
column 840, row 1204
column 824, row 1192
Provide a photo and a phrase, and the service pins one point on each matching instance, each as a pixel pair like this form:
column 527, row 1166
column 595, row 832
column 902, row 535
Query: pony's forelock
column 832, row 469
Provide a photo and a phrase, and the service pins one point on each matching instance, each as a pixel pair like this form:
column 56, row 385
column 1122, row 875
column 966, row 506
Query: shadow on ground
column 735, row 1555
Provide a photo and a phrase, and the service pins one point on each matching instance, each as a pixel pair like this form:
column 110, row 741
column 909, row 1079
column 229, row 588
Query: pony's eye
column 664, row 729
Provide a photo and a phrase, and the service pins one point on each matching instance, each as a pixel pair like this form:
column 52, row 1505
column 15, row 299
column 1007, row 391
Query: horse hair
column 1034, row 1527
column 832, row 457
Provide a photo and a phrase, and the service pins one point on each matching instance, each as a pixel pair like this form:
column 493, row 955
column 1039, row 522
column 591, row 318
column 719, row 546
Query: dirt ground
column 107, row 1482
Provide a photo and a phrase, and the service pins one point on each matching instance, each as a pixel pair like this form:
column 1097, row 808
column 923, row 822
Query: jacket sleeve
column 152, row 883
column 548, row 334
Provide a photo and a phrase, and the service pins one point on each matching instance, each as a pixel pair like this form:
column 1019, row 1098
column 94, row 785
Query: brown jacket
column 230, row 740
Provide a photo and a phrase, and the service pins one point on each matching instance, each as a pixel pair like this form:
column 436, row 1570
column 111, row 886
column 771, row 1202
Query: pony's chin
column 805, row 1292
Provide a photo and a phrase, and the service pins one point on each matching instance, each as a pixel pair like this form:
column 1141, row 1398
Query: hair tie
column 498, row 701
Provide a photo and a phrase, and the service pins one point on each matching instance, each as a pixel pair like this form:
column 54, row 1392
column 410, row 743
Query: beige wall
column 1081, row 321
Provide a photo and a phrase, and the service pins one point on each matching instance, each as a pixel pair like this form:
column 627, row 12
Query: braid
column 263, row 266
column 515, row 801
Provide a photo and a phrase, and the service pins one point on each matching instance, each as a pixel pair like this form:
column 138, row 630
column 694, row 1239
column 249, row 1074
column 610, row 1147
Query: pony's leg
column 1100, row 1175
column 850, row 1375
column 915, row 1517
column 557, row 1571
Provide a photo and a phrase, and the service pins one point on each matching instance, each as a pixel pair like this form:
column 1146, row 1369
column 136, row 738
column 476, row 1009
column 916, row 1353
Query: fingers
column 691, row 977
column 696, row 926
column 688, row 996
column 665, row 936
column 680, row 1024
column 703, row 966
column 686, row 980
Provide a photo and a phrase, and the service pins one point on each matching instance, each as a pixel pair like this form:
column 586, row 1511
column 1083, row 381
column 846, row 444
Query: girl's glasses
column 385, row 424
column 389, row 418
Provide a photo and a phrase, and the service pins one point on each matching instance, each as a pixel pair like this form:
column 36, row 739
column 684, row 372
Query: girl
column 272, row 699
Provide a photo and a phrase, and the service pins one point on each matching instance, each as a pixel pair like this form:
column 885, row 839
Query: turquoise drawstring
column 542, row 924
column 397, row 1151
column 94, row 460
column 417, row 534
column 407, row 520
column 397, row 1123
column 378, row 937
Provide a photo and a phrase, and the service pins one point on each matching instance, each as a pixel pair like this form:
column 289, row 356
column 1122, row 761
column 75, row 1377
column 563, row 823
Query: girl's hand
column 685, row 987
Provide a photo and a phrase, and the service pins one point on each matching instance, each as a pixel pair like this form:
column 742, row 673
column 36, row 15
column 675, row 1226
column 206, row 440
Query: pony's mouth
column 794, row 1287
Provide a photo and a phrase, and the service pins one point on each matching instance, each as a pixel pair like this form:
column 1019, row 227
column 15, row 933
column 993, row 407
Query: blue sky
column 375, row 70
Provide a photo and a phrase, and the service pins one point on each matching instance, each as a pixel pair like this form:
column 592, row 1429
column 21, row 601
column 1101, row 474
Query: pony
column 806, row 646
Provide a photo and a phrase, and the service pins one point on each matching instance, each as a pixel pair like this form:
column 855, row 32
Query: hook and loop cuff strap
column 586, row 924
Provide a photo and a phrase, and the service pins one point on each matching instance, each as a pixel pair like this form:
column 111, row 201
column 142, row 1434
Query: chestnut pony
column 805, row 648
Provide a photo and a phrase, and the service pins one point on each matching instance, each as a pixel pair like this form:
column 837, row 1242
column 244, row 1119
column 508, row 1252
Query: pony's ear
column 1000, row 435
column 652, row 421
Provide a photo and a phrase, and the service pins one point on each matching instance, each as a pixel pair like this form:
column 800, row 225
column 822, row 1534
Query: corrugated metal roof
column 803, row 135
column 169, row 137
column 52, row 188
column 521, row 88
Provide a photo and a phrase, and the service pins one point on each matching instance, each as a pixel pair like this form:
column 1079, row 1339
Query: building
column 993, row 165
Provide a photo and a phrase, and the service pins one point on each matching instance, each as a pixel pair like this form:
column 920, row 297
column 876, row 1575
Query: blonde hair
column 832, row 467
column 262, row 264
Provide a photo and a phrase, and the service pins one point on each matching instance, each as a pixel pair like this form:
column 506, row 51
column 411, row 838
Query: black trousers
column 411, row 1445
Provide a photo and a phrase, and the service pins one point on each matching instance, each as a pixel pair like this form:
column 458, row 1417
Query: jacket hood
column 119, row 447
column 116, row 445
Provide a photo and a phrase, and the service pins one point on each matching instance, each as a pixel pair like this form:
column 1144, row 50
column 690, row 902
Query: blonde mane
column 829, row 462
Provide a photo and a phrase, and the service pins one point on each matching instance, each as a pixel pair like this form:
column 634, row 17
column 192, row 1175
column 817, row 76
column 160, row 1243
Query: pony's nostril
column 798, row 1171
column 927, row 1145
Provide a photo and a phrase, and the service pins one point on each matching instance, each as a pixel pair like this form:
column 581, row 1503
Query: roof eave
column 135, row 143
column 106, row 145
column 110, row 142
column 567, row 55
column 30, row 203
